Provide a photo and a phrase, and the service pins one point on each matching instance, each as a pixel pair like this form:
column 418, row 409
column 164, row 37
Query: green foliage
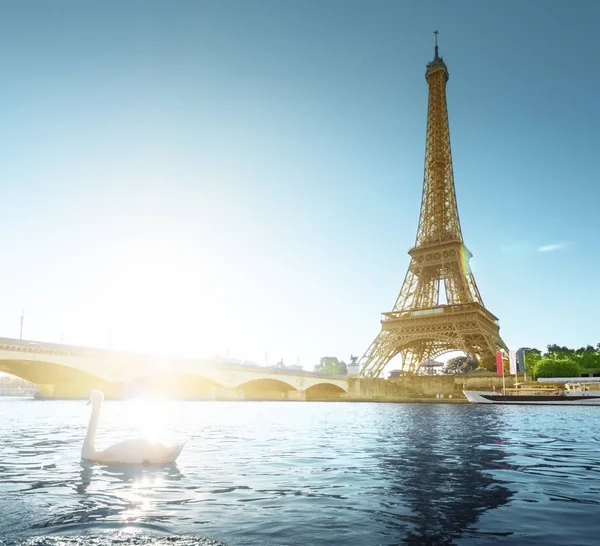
column 532, row 357
column 587, row 357
column 330, row 365
column 488, row 363
column 557, row 367
column 460, row 364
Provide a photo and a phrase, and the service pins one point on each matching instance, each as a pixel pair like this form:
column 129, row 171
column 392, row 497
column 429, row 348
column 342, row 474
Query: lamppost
column 22, row 319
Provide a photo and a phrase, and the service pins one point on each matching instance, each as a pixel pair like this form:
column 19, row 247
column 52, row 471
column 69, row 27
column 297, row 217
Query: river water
column 303, row 473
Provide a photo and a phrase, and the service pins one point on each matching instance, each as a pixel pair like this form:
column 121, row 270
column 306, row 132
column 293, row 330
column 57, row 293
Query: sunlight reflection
column 140, row 504
column 131, row 515
column 150, row 416
column 146, row 482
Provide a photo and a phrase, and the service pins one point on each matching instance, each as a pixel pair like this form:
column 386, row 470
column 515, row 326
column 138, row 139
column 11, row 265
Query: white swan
column 135, row 451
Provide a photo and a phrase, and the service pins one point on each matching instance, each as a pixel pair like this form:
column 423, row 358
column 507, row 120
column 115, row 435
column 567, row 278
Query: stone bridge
column 66, row 371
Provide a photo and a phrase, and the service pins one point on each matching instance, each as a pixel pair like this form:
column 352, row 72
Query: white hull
column 567, row 399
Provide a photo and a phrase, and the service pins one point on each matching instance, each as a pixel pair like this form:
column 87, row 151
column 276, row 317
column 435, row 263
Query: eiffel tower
column 420, row 327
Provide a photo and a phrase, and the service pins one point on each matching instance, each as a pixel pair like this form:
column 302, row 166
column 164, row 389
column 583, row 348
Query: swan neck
column 89, row 444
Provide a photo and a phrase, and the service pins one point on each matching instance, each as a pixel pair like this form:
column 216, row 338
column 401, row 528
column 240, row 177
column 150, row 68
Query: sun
column 162, row 296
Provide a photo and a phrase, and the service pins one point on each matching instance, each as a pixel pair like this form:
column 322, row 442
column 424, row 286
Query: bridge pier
column 353, row 388
column 77, row 391
column 296, row 395
column 45, row 391
column 223, row 393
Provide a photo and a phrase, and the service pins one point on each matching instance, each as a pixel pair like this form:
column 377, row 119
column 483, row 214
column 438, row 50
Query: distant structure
column 430, row 367
column 282, row 366
column 353, row 368
column 439, row 308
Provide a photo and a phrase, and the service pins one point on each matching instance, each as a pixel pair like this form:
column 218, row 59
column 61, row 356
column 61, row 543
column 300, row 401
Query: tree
column 557, row 350
column 587, row 357
column 557, row 367
column 461, row 364
column 532, row 357
column 330, row 365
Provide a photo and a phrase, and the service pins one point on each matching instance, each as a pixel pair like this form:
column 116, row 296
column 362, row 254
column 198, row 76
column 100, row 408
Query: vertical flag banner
column 512, row 359
column 521, row 360
column 499, row 367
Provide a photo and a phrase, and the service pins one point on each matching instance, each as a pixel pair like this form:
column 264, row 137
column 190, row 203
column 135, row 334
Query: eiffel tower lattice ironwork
column 420, row 327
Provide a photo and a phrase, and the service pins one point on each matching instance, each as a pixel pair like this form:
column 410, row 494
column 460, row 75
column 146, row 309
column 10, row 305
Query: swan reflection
column 85, row 476
column 124, row 493
column 138, row 475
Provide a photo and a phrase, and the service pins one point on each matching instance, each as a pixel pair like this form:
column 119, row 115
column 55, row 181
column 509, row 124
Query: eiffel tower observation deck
column 439, row 308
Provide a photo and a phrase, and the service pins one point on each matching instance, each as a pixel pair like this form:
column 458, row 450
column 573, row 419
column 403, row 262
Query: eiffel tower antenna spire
column 439, row 308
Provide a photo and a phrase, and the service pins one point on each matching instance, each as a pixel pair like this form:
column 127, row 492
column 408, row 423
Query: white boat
column 570, row 393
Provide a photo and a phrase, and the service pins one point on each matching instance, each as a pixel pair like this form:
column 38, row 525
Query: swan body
column 134, row 451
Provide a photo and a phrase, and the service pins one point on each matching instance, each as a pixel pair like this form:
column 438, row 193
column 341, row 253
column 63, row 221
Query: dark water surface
column 276, row 473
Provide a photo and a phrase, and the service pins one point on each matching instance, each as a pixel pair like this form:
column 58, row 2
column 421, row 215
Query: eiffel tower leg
column 380, row 352
column 494, row 344
column 422, row 353
column 385, row 347
column 412, row 361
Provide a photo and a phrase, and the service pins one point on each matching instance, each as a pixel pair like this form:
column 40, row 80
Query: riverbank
column 426, row 388
column 398, row 400
column 390, row 400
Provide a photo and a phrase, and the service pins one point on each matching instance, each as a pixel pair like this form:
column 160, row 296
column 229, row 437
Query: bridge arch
column 265, row 389
column 324, row 391
column 58, row 381
column 178, row 385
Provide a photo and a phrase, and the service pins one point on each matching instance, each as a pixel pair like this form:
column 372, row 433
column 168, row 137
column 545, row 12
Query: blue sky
column 242, row 178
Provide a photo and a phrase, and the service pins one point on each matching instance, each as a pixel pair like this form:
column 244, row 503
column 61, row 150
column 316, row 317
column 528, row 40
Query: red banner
column 499, row 365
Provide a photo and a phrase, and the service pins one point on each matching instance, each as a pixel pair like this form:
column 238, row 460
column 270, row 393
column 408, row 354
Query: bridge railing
column 40, row 347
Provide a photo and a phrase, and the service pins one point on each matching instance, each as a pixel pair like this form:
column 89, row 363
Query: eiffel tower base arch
column 421, row 335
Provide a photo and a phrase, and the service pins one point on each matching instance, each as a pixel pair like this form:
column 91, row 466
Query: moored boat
column 572, row 393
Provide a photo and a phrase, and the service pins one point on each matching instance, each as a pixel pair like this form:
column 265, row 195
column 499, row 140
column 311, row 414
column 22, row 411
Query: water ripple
column 294, row 474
